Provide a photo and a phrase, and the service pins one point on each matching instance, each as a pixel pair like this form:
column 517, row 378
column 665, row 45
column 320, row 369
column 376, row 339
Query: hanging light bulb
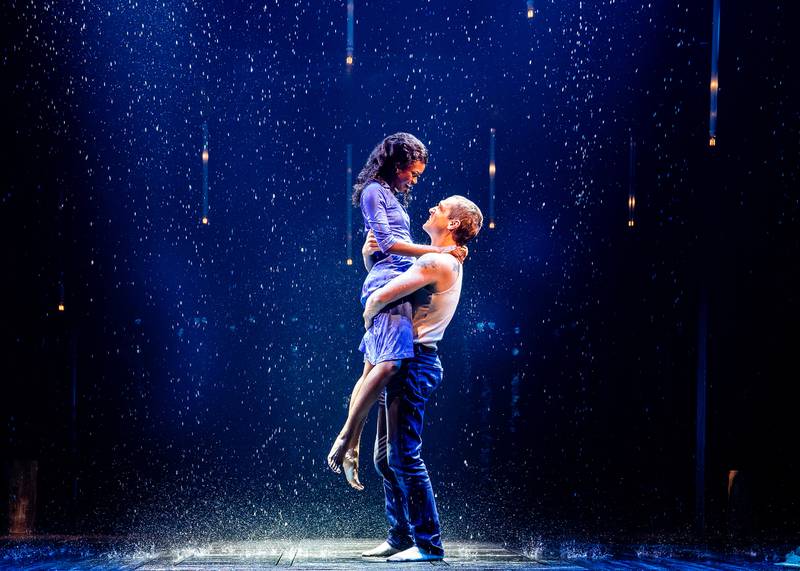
column 204, row 217
column 61, row 293
column 350, row 30
column 714, row 83
column 631, row 183
column 348, row 205
column 492, row 173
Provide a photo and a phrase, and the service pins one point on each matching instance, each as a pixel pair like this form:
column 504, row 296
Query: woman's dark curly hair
column 395, row 152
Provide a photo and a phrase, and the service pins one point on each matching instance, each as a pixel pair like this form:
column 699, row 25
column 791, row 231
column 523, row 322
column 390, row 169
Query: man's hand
column 370, row 245
column 368, row 318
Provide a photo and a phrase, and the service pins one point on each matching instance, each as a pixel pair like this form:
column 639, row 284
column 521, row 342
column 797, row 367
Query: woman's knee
column 389, row 368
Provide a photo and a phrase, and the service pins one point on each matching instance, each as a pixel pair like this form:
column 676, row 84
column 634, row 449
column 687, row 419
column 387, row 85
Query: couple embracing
column 409, row 296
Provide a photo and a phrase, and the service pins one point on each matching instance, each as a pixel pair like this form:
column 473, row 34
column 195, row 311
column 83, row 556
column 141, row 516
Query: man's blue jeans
column 410, row 505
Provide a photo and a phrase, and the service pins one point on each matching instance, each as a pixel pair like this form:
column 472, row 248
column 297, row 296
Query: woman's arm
column 416, row 250
column 405, row 249
column 373, row 208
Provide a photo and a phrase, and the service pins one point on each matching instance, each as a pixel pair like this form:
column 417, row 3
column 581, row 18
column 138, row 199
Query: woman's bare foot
column 350, row 465
column 336, row 455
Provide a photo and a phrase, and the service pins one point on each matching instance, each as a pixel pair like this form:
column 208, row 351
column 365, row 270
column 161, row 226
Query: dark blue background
column 213, row 363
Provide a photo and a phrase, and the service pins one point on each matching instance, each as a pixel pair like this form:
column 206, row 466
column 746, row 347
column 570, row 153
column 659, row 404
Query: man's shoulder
column 440, row 263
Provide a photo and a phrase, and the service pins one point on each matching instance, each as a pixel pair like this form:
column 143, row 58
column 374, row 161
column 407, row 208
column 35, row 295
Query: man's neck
column 443, row 241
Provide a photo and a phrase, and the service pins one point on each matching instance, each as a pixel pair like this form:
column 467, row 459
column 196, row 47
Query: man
column 434, row 284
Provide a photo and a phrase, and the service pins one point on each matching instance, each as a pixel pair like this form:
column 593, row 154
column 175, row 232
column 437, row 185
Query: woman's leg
column 363, row 397
column 337, row 443
column 350, row 462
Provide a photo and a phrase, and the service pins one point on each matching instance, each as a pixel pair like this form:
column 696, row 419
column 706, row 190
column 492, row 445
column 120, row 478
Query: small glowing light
column 61, row 307
column 205, row 155
column 492, row 169
column 349, row 60
column 349, row 261
column 630, row 223
column 530, row 13
column 712, row 142
column 631, row 201
column 491, row 225
column 205, row 220
column 714, row 84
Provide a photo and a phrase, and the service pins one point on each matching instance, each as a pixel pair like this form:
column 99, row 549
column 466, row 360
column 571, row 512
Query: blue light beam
column 204, row 219
column 714, row 84
column 492, row 173
column 632, row 184
column 350, row 30
column 349, row 205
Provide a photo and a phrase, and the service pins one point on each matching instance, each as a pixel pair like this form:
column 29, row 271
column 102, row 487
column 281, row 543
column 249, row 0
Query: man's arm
column 370, row 246
column 425, row 271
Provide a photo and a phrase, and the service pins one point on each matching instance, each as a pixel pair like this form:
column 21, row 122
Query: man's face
column 439, row 221
column 406, row 178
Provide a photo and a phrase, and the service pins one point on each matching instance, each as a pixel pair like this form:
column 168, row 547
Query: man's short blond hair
column 469, row 216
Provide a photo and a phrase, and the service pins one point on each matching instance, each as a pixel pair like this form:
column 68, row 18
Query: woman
column 382, row 191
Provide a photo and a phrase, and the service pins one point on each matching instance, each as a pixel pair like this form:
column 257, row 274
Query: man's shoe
column 383, row 550
column 414, row 554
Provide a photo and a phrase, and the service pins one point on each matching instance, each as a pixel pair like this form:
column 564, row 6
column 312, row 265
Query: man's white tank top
column 433, row 311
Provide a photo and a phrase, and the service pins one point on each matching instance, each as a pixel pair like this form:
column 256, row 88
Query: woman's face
column 404, row 179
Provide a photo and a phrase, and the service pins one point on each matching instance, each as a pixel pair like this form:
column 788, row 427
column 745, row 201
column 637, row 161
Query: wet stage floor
column 62, row 553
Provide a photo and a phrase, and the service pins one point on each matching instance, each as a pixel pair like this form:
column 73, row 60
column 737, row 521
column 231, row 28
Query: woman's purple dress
column 391, row 336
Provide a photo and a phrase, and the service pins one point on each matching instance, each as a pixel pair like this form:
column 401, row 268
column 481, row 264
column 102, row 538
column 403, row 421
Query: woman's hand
column 370, row 245
column 460, row 253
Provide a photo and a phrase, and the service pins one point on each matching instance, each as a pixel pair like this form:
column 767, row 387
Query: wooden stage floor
column 80, row 554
